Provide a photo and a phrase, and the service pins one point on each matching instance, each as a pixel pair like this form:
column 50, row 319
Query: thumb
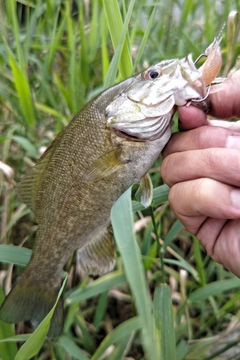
column 191, row 117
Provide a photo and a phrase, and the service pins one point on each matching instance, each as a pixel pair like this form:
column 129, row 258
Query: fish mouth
column 125, row 135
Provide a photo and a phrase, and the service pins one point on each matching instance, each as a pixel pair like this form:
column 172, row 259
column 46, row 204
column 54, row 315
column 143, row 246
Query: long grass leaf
column 25, row 143
column 23, row 90
column 7, row 350
column 71, row 348
column 186, row 10
column 84, row 68
column 121, row 348
column 211, row 289
column 72, row 68
column 94, row 30
column 164, row 329
column 100, row 309
column 145, row 38
column 123, row 330
column 104, row 48
column 122, row 221
column 199, row 261
column 55, row 35
column 15, row 338
column 97, row 287
column 20, row 212
column 175, row 228
column 16, row 31
column 15, row 255
column 183, row 264
column 118, row 33
column 51, row 111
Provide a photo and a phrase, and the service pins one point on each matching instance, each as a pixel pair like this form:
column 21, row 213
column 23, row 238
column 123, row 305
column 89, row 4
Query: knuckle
column 207, row 136
column 201, row 135
column 211, row 159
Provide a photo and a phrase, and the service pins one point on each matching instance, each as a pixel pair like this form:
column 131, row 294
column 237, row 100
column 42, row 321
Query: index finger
column 200, row 138
column 191, row 117
column 224, row 100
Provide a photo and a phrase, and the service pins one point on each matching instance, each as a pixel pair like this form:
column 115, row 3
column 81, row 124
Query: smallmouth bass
column 109, row 145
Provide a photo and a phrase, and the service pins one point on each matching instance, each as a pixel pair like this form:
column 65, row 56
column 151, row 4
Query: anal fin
column 98, row 257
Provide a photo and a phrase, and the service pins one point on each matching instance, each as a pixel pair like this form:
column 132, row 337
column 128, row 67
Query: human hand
column 202, row 167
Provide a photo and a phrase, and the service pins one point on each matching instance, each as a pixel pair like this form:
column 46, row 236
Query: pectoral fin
column 105, row 165
column 98, row 257
column 144, row 193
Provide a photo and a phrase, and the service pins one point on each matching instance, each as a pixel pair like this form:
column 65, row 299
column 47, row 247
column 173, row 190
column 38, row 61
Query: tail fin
column 28, row 301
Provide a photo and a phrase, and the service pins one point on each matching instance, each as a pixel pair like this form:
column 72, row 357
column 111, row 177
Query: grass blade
column 118, row 34
column 71, row 348
column 121, row 348
column 199, row 262
column 120, row 332
column 164, row 329
column 214, row 288
column 100, row 285
column 144, row 39
column 122, row 221
column 15, row 338
column 25, row 143
column 15, row 255
column 23, row 90
column 183, row 264
column 7, row 350
column 16, row 31
column 175, row 228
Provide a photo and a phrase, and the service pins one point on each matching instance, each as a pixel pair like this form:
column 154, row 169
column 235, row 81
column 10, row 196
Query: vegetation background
column 55, row 55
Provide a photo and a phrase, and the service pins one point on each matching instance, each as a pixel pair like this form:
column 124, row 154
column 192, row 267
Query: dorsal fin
column 28, row 187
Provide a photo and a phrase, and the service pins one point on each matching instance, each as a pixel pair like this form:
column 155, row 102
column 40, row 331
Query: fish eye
column 152, row 74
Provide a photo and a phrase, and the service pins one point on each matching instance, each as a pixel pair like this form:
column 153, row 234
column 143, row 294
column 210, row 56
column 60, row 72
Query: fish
column 108, row 146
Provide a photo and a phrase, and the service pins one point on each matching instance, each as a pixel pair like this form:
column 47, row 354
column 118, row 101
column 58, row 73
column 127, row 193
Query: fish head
column 144, row 107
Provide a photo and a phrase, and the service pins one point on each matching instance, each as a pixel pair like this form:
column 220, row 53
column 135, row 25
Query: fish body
column 109, row 145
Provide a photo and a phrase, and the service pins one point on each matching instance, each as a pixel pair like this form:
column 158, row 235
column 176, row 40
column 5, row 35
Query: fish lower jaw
column 125, row 135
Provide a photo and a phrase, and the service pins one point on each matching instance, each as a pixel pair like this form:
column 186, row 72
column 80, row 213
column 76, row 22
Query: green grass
column 54, row 57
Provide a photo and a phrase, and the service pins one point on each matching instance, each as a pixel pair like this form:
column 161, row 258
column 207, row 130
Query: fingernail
column 235, row 197
column 233, row 142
